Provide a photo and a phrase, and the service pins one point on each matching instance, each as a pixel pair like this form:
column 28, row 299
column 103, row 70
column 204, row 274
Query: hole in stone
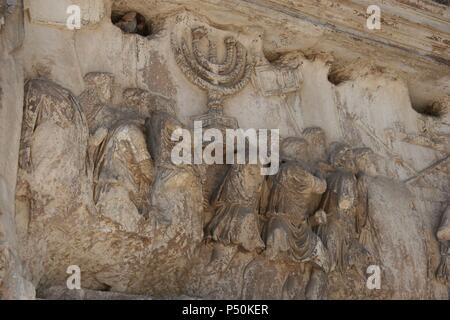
column 106, row 288
column 337, row 76
column 132, row 22
column 272, row 56
column 444, row 2
column 434, row 109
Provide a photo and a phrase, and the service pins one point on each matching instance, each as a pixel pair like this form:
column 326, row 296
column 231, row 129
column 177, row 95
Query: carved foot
column 317, row 285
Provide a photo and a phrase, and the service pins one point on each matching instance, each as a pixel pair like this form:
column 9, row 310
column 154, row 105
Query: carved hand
column 319, row 218
column 98, row 136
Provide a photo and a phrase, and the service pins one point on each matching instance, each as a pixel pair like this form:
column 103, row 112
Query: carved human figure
column 235, row 222
column 294, row 198
column 53, row 155
column 339, row 202
column 317, row 145
column 367, row 247
column 143, row 102
column 176, row 195
column 96, row 96
column 366, row 169
column 345, row 204
column 123, row 173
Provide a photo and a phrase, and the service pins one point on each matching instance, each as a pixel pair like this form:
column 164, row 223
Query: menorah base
column 216, row 120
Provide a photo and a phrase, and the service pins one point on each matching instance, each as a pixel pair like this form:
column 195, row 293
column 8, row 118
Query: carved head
column 131, row 149
column 294, row 149
column 138, row 99
column 365, row 161
column 145, row 102
column 102, row 84
column 317, row 141
column 341, row 157
column 159, row 128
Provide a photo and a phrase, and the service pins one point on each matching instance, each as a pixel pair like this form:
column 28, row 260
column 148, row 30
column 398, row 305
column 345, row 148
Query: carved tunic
column 340, row 204
column 296, row 192
column 54, row 144
column 236, row 217
column 123, row 173
column 176, row 195
column 295, row 196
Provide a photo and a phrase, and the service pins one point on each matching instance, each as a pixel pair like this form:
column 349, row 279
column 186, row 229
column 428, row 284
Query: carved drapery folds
column 294, row 198
column 235, row 221
column 52, row 172
column 176, row 196
column 123, row 173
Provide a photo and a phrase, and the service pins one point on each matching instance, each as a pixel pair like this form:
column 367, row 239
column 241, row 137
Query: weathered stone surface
column 87, row 176
column 56, row 12
column 14, row 281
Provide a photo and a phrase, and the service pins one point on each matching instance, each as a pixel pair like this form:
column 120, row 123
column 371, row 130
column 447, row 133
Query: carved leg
column 220, row 258
column 290, row 287
column 317, row 285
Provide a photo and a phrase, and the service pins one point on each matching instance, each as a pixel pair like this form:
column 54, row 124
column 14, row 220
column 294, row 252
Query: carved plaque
column 270, row 80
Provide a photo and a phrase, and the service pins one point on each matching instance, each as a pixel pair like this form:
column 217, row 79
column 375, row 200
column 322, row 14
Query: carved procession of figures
column 314, row 211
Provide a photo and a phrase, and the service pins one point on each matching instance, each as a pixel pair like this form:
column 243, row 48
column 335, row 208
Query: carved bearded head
column 159, row 128
column 317, row 141
column 294, row 149
column 102, row 84
column 341, row 157
column 365, row 161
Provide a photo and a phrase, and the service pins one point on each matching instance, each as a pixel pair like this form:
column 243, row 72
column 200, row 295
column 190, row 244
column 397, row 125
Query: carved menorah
column 218, row 79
